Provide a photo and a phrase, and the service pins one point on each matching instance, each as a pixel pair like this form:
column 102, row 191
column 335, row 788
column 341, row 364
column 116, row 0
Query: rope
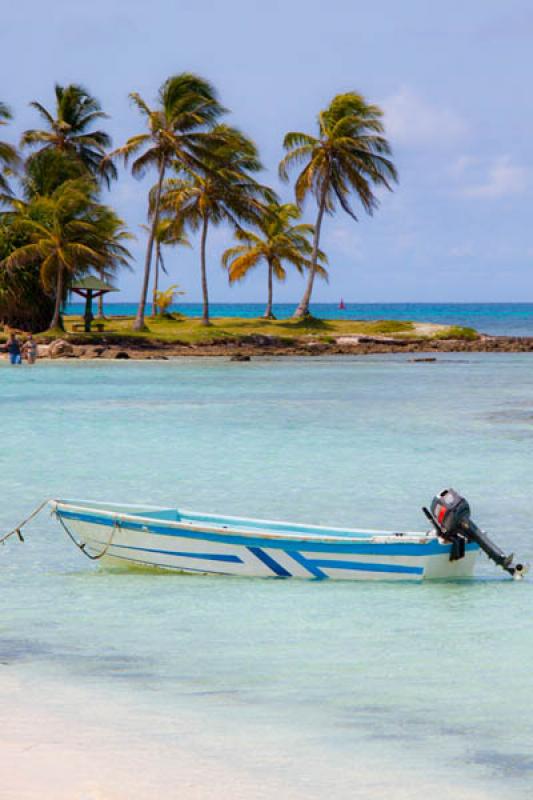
column 18, row 528
column 82, row 545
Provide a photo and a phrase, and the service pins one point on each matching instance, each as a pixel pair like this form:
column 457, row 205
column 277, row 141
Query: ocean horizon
column 503, row 319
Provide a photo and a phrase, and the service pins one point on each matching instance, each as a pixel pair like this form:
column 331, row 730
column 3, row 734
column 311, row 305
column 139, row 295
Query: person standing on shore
column 29, row 349
column 13, row 349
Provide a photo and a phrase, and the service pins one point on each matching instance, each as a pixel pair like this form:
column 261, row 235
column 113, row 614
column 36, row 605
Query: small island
column 176, row 335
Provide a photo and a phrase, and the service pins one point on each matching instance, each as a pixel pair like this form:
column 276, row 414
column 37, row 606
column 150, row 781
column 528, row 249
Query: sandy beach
column 57, row 743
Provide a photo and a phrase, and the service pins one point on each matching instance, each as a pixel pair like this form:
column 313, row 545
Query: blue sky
column 453, row 77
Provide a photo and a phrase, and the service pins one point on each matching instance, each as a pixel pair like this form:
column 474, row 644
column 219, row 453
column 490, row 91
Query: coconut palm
column 111, row 238
column 9, row 158
column 349, row 156
column 68, row 235
column 278, row 242
column 220, row 190
column 187, row 107
column 47, row 170
column 69, row 130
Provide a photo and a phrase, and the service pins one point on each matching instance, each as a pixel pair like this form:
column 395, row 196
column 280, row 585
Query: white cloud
column 413, row 121
column 501, row 178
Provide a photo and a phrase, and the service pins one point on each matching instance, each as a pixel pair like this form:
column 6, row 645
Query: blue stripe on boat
column 206, row 556
column 276, row 568
column 368, row 567
column 310, row 566
column 432, row 547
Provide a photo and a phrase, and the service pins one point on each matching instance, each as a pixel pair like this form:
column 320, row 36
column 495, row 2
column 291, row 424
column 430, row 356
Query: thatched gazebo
column 90, row 288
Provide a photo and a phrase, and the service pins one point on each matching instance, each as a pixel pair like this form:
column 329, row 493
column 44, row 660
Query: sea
column 122, row 685
column 504, row 319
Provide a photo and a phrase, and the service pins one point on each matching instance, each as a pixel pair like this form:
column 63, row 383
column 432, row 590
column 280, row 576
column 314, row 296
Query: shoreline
column 246, row 348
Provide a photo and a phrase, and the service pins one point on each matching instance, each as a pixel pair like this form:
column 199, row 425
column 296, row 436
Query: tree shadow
column 310, row 323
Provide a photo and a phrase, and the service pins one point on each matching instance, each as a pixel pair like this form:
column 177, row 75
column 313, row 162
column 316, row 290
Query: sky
column 454, row 79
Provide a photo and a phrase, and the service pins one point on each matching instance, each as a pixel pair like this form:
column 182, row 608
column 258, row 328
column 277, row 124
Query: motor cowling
column 450, row 514
column 451, row 511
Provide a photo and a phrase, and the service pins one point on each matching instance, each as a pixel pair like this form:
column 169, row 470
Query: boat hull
column 139, row 541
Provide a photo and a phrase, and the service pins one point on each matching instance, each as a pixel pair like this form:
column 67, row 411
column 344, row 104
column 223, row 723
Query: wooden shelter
column 89, row 288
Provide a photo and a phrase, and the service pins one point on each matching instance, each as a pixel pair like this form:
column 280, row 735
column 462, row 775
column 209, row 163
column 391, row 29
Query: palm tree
column 221, row 190
column 177, row 128
column 69, row 131
column 279, row 240
column 9, row 158
column 44, row 173
column 111, row 236
column 65, row 238
column 349, row 155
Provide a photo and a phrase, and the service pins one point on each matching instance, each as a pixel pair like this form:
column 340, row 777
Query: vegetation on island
column 349, row 156
column 54, row 227
column 57, row 229
column 278, row 241
column 219, row 190
column 172, row 328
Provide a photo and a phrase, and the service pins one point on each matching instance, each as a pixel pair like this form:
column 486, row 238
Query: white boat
column 193, row 542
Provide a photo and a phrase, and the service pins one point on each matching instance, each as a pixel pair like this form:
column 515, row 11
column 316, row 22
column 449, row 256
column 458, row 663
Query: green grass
column 458, row 332
column 191, row 331
column 181, row 329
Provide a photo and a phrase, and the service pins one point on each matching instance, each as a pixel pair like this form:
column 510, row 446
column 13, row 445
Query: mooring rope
column 16, row 530
column 83, row 545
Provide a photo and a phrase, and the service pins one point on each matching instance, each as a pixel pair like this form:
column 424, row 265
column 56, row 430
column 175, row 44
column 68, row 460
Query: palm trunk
column 100, row 301
column 268, row 310
column 205, row 296
column 56, row 319
column 156, row 278
column 139, row 320
column 303, row 308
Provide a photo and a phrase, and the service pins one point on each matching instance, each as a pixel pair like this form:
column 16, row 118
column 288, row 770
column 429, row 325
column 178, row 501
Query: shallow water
column 359, row 690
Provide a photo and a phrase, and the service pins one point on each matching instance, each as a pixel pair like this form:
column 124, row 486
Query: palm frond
column 27, row 254
column 43, row 112
column 240, row 266
column 296, row 139
column 5, row 113
column 140, row 104
column 294, row 157
column 143, row 162
column 233, row 252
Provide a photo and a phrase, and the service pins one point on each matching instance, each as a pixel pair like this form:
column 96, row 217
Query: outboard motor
column 450, row 515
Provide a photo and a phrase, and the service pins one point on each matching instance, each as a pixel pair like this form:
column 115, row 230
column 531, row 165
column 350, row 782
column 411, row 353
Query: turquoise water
column 356, row 690
column 504, row 319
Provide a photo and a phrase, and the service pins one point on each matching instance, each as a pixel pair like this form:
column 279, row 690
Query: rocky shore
column 244, row 348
